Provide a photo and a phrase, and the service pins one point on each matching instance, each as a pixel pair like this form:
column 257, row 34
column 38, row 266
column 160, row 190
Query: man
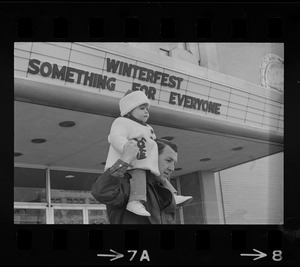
column 113, row 187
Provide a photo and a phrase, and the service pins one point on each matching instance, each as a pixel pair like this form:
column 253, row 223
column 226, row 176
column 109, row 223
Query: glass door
column 97, row 215
column 30, row 203
column 53, row 196
column 63, row 214
column 29, row 213
column 71, row 199
column 67, row 214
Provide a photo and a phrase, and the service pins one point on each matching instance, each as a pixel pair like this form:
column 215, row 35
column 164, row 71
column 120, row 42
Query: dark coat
column 114, row 192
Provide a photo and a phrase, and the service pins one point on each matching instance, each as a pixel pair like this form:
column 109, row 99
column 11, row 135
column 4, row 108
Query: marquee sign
column 122, row 68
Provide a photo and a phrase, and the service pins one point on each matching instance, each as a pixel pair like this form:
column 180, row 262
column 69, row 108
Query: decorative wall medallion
column 272, row 72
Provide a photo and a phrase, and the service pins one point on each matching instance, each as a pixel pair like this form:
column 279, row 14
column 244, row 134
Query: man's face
column 166, row 162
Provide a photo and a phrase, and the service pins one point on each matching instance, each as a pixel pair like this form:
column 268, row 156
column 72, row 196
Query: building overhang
column 68, row 98
column 198, row 138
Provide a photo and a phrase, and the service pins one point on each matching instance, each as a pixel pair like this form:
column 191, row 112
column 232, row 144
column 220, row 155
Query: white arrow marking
column 259, row 255
column 115, row 256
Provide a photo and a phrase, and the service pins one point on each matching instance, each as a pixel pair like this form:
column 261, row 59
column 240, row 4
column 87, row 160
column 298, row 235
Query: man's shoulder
column 151, row 178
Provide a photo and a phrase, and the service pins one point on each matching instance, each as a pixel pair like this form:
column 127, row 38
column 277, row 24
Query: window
column 29, row 185
column 253, row 191
column 29, row 216
column 68, row 216
column 62, row 198
column 72, row 187
column 97, row 217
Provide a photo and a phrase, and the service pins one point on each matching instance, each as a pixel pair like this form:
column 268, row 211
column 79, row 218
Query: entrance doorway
column 53, row 196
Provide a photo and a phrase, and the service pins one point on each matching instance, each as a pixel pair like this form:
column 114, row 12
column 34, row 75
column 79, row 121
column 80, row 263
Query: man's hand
column 130, row 151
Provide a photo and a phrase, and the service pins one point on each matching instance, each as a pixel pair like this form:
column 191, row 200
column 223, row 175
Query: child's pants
column 138, row 185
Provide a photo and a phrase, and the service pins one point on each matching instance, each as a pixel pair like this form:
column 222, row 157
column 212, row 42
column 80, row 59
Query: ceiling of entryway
column 85, row 146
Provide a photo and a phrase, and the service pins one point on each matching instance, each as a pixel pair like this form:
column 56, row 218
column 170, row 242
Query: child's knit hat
column 131, row 100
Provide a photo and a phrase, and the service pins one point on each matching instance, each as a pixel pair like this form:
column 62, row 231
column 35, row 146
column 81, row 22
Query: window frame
column 48, row 205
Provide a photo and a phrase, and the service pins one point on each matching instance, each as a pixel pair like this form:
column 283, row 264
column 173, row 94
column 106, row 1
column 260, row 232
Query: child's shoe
column 182, row 200
column 137, row 207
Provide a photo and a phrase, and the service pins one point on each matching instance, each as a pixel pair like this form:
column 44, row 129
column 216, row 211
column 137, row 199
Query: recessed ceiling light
column 178, row 169
column 237, row 148
column 69, row 176
column 67, row 123
column 17, row 154
column 168, row 138
column 205, row 159
column 38, row 140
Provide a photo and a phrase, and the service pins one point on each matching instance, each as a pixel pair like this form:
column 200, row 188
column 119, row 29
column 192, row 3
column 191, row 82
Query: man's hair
column 161, row 143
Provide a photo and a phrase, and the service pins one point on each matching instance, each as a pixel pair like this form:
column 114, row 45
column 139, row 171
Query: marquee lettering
column 96, row 80
column 194, row 103
column 143, row 74
column 71, row 75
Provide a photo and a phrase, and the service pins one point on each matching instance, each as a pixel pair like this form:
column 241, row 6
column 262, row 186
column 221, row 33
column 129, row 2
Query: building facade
column 221, row 103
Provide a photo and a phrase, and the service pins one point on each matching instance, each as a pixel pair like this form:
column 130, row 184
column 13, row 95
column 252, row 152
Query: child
column 134, row 108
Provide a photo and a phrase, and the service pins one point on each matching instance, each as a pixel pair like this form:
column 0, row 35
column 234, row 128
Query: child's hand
column 130, row 150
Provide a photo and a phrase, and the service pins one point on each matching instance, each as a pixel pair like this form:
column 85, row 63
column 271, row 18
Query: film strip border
column 167, row 239
column 159, row 245
column 168, row 28
column 152, row 22
column 156, row 21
